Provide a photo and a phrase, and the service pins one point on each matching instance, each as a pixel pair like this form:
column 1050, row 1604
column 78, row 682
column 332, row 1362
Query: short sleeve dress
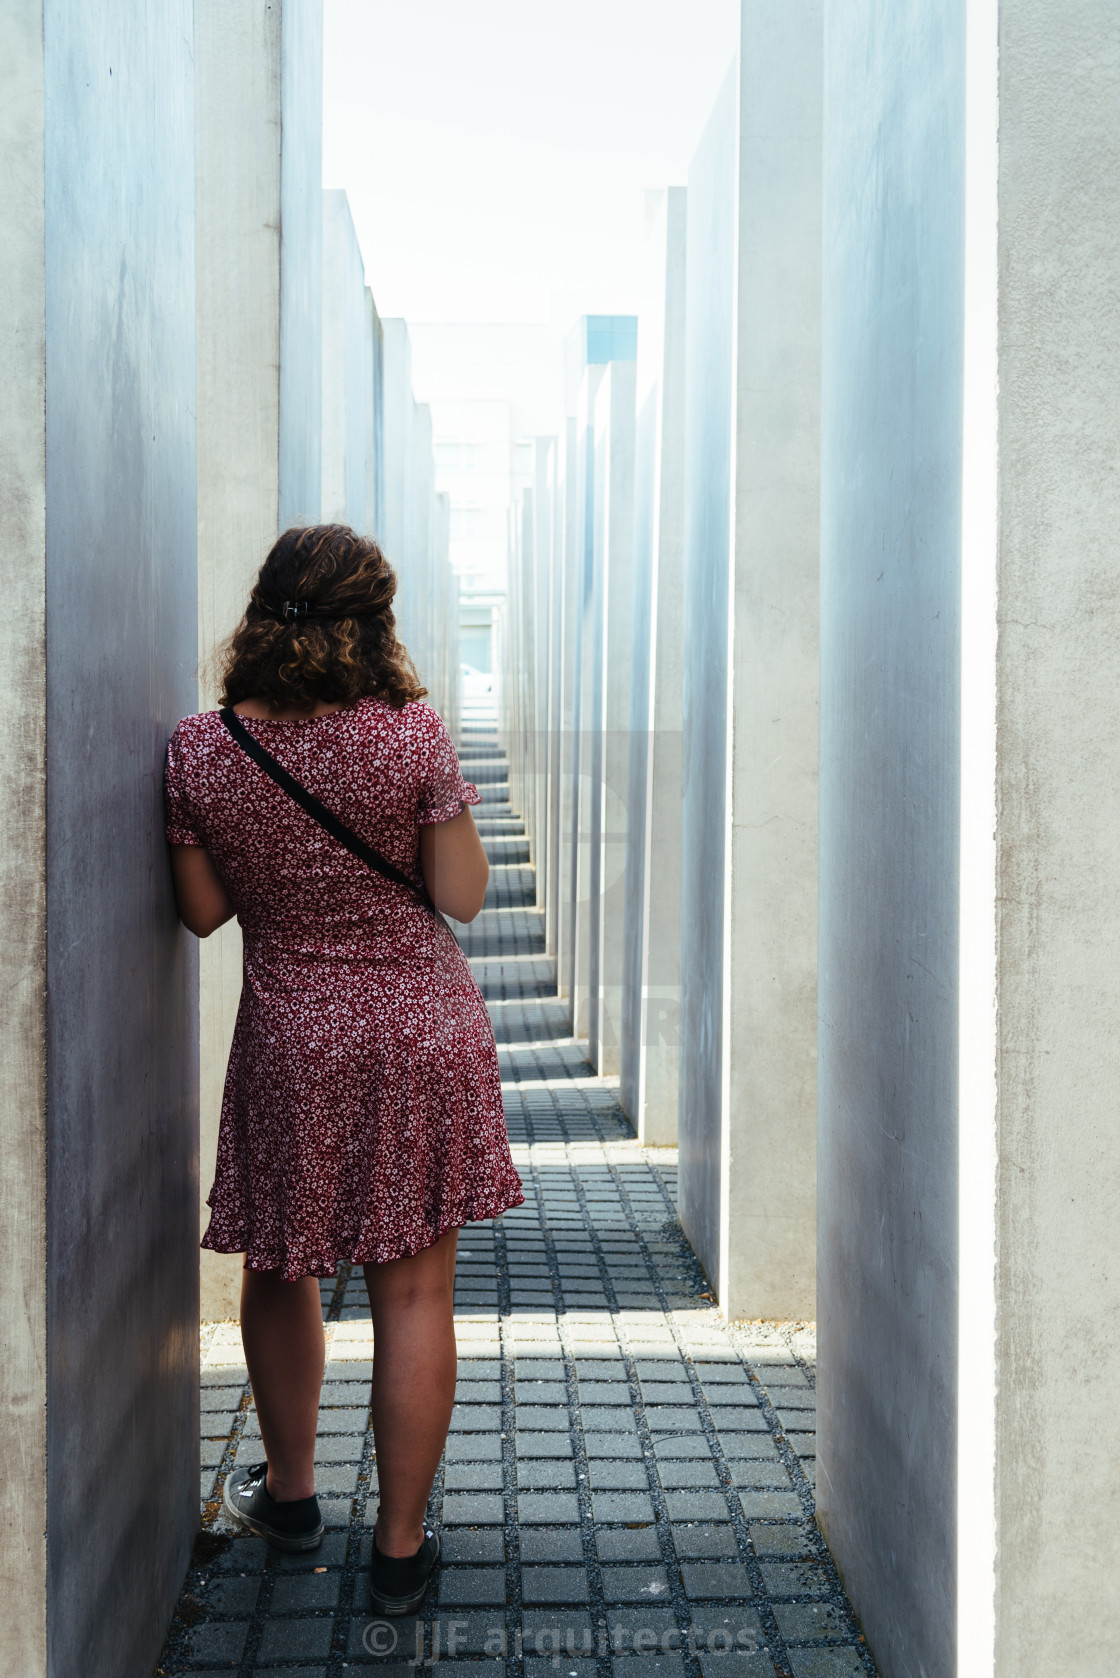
column 362, row 1115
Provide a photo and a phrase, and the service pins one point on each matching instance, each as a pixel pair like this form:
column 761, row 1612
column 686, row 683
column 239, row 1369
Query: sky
column 496, row 153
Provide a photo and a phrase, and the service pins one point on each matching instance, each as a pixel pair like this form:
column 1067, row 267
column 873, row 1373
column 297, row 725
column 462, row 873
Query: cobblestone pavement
column 627, row 1486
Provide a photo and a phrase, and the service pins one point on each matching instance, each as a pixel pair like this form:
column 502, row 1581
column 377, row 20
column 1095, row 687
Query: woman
column 362, row 1118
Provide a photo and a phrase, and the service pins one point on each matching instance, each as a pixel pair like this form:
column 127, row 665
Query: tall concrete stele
column 970, row 813
column 749, row 780
column 259, row 113
column 650, row 1051
column 98, row 1046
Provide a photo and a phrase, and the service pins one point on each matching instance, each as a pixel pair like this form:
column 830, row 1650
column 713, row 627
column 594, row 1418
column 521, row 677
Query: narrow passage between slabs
column 627, row 1486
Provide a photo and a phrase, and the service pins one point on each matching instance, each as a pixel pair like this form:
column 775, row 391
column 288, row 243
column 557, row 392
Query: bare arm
column 204, row 905
column 454, row 865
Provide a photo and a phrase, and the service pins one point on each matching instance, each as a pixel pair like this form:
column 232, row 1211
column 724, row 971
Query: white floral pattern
column 362, row 1115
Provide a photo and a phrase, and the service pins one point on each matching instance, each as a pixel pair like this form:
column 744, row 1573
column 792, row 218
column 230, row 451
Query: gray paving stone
column 826, row 1663
column 544, row 1444
column 544, row 1473
column 647, row 1666
column 682, row 1447
column 627, row 1544
column 719, row 1626
column 473, row 1544
column 711, row 1581
column 474, row 1447
column 473, row 1477
column 235, row 1598
column 551, row 1544
column 218, row 1641
column 795, row 1578
column 472, row 1509
column 640, row 1583
column 540, row 1392
column 610, row 1476
column 471, row 1586
column 478, row 1392
column 787, row 1540
column 570, row 1666
column 693, row 1473
column 475, row 1418
column 545, row 1632
column 663, row 1417
column 294, row 1593
column 737, row 1665
column 643, row 1630
column 299, row 1638
column 701, row 1541
column 542, row 1418
column 611, row 1507
column 467, row 1632
column 612, row 1445
column 696, row 1506
column 541, row 1585
column 551, row 1507
column 771, row 1505
column 340, row 1447
column 597, row 1418
column 223, row 1400
column 807, row 1622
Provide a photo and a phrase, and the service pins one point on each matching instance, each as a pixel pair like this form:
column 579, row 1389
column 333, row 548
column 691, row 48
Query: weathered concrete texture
column 614, row 565
column 1058, row 861
column 301, row 246
column 564, row 756
column 415, row 529
column 99, row 1069
column 584, row 786
column 258, row 112
column 348, row 374
column 768, row 1258
column 648, row 1072
column 23, row 901
column 748, row 960
column 709, row 336
column 889, row 836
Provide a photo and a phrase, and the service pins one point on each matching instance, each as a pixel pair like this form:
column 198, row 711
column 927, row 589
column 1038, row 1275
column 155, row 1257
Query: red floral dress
column 362, row 1114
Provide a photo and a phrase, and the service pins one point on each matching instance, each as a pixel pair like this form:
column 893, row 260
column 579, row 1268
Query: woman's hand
column 204, row 905
column 454, row 865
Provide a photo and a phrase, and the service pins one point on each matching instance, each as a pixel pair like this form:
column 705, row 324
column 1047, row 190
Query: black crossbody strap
column 319, row 812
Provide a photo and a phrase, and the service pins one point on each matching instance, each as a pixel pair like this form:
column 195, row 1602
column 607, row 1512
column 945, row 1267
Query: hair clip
column 296, row 608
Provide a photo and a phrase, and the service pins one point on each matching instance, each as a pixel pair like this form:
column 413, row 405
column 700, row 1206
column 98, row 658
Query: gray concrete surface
column 1057, row 691
column 99, row 1066
column 301, row 234
column 614, row 565
column 627, row 1486
column 748, row 939
column 23, row 900
column 347, row 450
column 258, row 111
column 889, row 834
column 768, row 1258
column 709, row 337
column 649, row 1063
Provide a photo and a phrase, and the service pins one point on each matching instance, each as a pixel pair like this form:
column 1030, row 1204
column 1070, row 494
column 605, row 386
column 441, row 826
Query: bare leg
column 412, row 1301
column 282, row 1332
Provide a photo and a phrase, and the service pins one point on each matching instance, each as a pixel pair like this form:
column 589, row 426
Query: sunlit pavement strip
column 627, row 1487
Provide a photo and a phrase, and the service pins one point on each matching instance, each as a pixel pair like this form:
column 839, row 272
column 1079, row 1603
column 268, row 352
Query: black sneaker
column 289, row 1526
column 397, row 1583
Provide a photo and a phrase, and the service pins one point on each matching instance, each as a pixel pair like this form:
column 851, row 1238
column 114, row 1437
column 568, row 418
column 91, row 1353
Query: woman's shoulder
column 197, row 729
column 417, row 720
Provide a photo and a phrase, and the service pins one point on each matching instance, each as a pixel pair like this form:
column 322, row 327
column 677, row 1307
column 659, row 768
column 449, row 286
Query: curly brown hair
column 319, row 626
